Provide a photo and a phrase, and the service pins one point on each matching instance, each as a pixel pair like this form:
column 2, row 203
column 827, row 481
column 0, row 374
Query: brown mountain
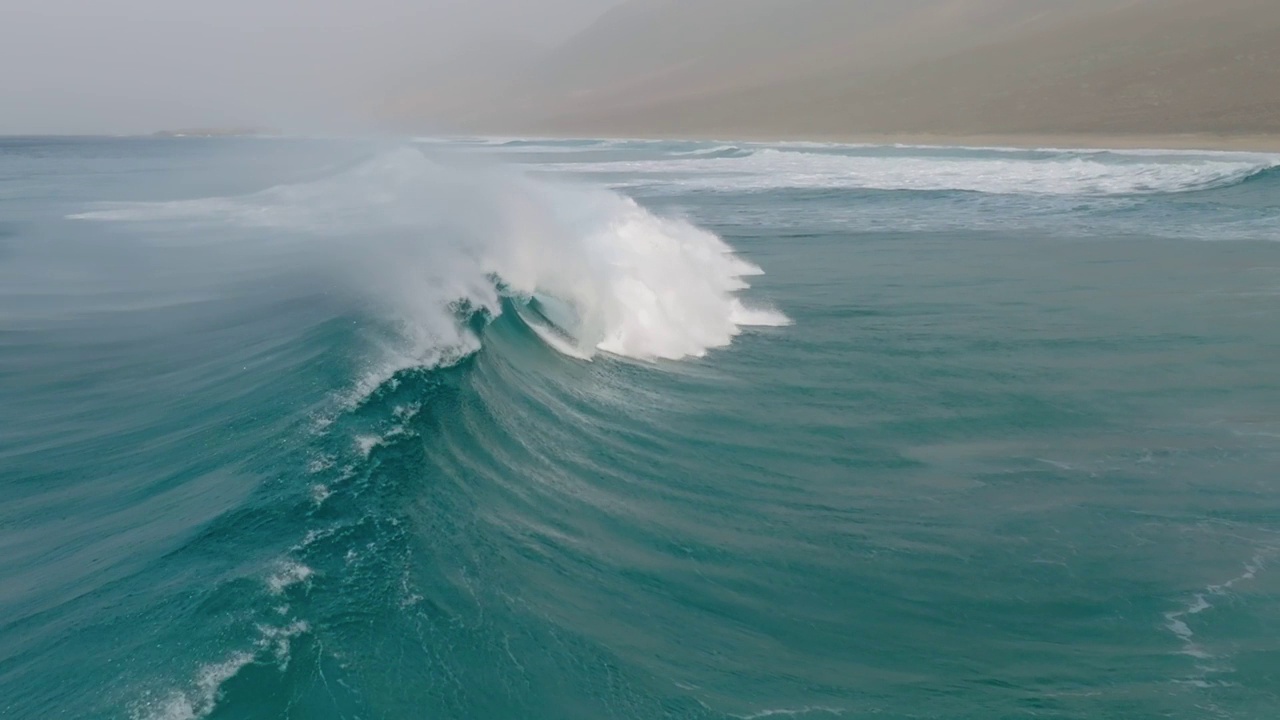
column 831, row 68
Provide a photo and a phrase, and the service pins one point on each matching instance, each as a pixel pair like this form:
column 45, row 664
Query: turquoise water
column 549, row 429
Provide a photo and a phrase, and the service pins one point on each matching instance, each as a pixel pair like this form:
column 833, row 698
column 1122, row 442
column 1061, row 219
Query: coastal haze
column 833, row 69
column 765, row 69
column 137, row 66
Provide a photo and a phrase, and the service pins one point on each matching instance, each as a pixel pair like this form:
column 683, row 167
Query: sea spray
column 430, row 242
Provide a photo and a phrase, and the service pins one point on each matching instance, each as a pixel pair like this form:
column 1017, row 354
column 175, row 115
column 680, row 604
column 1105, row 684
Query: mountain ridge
column 811, row 68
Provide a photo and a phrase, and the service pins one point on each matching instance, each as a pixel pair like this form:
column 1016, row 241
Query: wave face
column 520, row 429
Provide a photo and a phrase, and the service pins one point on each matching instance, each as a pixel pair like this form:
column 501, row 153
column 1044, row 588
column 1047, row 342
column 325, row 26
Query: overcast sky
column 120, row 66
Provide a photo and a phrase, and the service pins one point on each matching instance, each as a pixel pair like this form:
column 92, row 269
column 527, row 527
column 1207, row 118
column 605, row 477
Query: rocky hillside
column 812, row 68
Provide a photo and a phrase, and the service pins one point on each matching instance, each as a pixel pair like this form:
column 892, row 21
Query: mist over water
column 585, row 429
column 326, row 66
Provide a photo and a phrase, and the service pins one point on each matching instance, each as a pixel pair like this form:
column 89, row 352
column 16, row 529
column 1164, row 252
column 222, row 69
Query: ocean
column 414, row 428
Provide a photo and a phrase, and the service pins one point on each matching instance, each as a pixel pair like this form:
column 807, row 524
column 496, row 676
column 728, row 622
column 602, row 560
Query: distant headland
column 214, row 132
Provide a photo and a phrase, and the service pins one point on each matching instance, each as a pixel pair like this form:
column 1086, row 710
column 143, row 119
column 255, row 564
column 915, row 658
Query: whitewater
column 427, row 239
column 548, row 428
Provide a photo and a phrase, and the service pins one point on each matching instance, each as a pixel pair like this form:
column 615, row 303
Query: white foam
column 319, row 464
column 1077, row 173
column 1178, row 621
column 278, row 640
column 416, row 237
column 718, row 151
column 366, row 443
column 788, row 712
column 290, row 573
column 407, row 412
column 558, row 341
column 319, row 493
column 202, row 697
column 311, row 537
column 640, row 286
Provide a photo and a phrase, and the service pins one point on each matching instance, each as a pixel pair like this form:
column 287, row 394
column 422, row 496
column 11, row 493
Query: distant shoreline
column 1232, row 143
column 1061, row 141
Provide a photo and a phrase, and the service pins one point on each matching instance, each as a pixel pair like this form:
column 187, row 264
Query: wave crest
column 432, row 243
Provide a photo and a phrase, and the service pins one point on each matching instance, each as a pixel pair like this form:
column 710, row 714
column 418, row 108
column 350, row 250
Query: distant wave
column 722, row 151
column 551, row 143
column 1266, row 174
column 940, row 169
column 545, row 146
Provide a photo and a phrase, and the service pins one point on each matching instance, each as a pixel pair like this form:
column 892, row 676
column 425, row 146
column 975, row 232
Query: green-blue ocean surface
column 318, row 429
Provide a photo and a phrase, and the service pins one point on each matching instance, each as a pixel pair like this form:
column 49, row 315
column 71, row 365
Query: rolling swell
column 474, row 537
column 453, row 528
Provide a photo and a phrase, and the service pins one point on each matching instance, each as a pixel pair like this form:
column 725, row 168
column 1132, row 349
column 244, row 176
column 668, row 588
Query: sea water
column 317, row 428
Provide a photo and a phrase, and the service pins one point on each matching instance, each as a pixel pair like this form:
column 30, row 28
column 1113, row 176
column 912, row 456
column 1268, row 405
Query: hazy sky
column 85, row 66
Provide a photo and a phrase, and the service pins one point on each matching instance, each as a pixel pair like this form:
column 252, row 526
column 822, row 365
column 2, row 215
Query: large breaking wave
column 434, row 243
column 440, row 257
